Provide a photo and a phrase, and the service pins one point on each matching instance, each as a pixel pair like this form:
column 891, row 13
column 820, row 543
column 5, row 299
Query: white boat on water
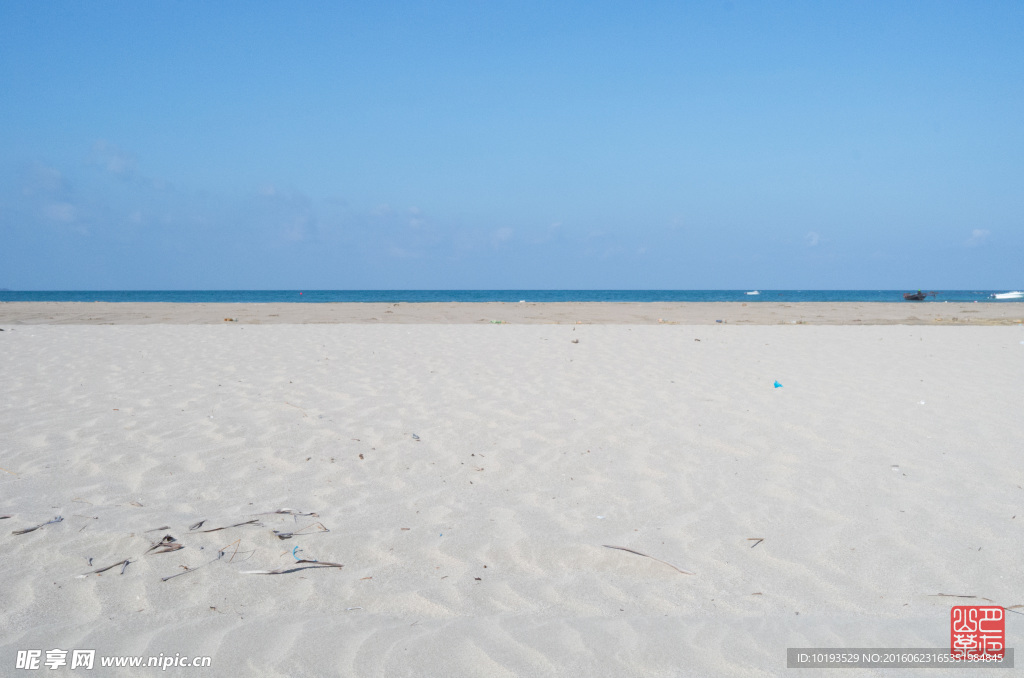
column 1009, row 295
column 754, row 292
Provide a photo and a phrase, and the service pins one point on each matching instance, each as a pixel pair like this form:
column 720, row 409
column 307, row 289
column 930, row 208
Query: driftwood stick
column 306, row 565
column 623, row 548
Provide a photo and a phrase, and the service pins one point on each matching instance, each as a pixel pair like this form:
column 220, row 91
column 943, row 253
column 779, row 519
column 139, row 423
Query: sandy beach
column 468, row 464
column 647, row 313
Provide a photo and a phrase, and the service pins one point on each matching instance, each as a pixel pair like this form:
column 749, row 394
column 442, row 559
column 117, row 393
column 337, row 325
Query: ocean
column 428, row 296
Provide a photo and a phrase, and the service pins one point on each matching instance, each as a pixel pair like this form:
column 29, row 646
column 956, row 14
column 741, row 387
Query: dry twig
column 33, row 529
column 306, row 565
column 623, row 548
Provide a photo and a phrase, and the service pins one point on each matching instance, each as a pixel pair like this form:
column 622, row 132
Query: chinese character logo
column 55, row 658
column 976, row 630
column 28, row 659
column 83, row 658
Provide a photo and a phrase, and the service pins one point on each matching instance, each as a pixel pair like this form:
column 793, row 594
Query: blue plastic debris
column 778, row 385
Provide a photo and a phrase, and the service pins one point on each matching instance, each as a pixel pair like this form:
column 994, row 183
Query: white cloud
column 812, row 238
column 416, row 219
column 43, row 179
column 403, row 253
column 112, row 158
column 61, row 212
column 500, row 236
column 978, row 237
column 295, row 229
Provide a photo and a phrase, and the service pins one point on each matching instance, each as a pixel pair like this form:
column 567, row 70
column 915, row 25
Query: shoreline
column 469, row 313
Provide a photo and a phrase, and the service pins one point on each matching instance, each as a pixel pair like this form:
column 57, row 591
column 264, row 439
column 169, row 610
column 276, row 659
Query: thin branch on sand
column 33, row 529
column 166, row 545
column 288, row 512
column 228, row 527
column 298, row 408
column 954, row 595
column 188, row 570
column 306, row 565
column 122, row 563
column 318, row 527
column 623, row 548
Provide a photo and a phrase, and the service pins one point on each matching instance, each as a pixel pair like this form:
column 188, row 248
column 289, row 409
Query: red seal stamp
column 976, row 631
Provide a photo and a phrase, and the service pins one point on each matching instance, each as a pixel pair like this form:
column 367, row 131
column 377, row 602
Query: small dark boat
column 917, row 296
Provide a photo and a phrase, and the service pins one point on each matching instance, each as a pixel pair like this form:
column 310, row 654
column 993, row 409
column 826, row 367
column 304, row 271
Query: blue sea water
column 426, row 296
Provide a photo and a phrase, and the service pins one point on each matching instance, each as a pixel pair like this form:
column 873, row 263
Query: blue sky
column 483, row 145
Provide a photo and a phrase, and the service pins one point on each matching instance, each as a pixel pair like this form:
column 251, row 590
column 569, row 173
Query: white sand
column 605, row 313
column 534, row 452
